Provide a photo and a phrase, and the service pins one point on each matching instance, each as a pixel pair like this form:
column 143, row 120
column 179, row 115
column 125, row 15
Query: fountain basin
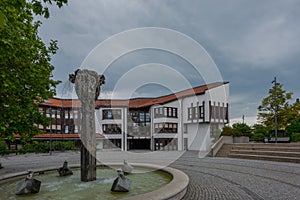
column 149, row 182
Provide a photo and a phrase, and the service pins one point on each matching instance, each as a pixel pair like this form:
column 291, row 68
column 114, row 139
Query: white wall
column 199, row 137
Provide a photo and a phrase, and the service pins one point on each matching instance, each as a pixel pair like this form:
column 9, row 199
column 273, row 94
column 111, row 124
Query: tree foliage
column 26, row 73
column 242, row 129
column 286, row 112
column 237, row 129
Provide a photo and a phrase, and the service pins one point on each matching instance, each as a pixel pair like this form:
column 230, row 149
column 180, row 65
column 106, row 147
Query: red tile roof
column 135, row 102
column 59, row 136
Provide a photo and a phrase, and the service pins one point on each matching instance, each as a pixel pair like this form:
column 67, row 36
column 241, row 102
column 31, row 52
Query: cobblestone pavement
column 210, row 178
column 225, row 178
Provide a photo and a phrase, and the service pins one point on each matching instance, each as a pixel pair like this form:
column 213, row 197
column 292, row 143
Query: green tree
column 237, row 129
column 242, row 129
column 285, row 113
column 26, row 73
column 228, row 131
column 259, row 132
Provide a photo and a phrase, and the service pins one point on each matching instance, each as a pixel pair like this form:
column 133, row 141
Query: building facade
column 188, row 120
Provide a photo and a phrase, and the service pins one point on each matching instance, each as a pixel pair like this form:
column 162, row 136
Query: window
column 76, row 129
column 66, row 114
column 53, row 114
column 66, row 129
column 190, row 113
column 148, row 118
column 174, row 112
column 71, row 114
column 58, row 114
column 75, row 114
column 201, row 110
column 111, row 114
column 48, row 112
column 142, row 117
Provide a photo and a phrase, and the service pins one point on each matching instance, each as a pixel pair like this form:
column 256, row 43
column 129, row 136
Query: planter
column 240, row 139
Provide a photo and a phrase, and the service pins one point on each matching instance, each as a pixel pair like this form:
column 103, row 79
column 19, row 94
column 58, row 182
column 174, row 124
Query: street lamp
column 50, row 131
column 275, row 108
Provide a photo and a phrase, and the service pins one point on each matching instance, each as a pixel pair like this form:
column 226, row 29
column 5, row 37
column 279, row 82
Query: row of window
column 218, row 112
column 158, row 128
column 57, row 113
column 165, row 127
column 111, row 114
column 165, row 112
column 139, row 116
column 196, row 112
column 112, row 128
column 56, row 128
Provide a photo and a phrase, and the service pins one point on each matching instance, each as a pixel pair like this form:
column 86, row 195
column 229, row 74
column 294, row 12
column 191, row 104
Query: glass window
column 142, row 117
column 174, row 112
column 58, row 114
column 66, row 129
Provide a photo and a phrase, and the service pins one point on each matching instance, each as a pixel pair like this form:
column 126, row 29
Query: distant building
column 186, row 120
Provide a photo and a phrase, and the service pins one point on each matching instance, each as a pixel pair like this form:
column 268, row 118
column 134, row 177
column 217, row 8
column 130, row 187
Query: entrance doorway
column 139, row 144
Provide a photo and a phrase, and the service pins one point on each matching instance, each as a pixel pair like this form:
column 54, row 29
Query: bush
column 295, row 137
column 35, row 147
column 60, row 146
column 2, row 146
column 44, row 147
column 228, row 131
column 258, row 137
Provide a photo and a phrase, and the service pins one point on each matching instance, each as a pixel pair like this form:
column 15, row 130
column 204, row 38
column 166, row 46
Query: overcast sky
column 250, row 41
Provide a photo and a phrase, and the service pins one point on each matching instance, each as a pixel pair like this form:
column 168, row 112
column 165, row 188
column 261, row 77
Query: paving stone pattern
column 210, row 178
column 225, row 178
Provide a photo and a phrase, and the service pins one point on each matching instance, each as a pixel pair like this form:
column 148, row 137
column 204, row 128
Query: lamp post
column 50, row 131
column 275, row 108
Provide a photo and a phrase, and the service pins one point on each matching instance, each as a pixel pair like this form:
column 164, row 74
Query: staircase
column 287, row 152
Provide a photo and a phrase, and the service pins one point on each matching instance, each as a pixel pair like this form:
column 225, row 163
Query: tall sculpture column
column 87, row 87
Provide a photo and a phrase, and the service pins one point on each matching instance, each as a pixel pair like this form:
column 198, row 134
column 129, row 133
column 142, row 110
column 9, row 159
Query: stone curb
column 174, row 190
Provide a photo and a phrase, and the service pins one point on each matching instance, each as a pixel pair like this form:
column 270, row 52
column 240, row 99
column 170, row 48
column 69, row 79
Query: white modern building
column 188, row 120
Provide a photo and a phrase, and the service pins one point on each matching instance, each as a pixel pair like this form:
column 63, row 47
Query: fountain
column 158, row 183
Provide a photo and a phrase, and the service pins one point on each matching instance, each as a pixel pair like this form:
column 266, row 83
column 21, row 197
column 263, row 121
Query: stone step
column 265, row 157
column 294, row 144
column 267, row 153
column 225, row 150
column 267, row 148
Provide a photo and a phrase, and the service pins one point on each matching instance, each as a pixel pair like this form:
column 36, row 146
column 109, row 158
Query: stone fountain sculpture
column 29, row 185
column 121, row 183
column 87, row 87
column 65, row 170
column 127, row 168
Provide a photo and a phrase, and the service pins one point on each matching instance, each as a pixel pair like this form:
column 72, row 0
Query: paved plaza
column 210, row 178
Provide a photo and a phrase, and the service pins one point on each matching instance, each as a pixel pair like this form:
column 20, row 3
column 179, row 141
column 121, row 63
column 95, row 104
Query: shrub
column 258, row 137
column 35, row 147
column 295, row 137
column 59, row 145
column 2, row 145
column 228, row 131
